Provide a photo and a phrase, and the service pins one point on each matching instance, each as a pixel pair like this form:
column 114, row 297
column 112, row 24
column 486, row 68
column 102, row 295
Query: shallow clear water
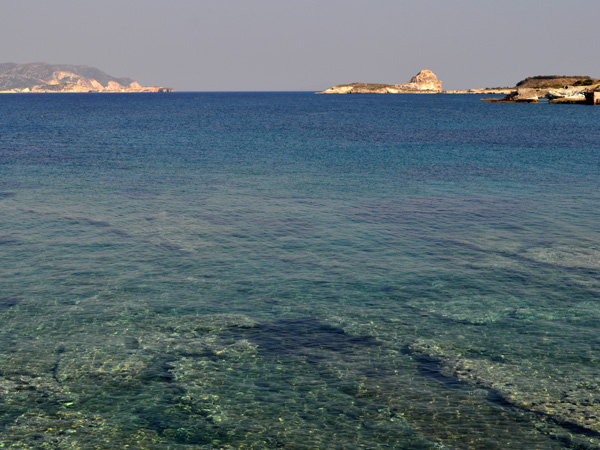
column 258, row 271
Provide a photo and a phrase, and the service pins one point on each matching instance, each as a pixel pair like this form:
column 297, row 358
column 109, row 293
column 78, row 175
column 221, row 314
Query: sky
column 308, row 45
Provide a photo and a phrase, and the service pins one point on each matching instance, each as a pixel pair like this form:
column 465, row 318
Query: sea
column 195, row 271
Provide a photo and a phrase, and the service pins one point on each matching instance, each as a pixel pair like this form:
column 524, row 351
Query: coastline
column 155, row 89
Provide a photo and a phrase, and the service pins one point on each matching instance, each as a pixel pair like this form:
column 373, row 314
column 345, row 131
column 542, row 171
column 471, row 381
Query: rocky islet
column 423, row 82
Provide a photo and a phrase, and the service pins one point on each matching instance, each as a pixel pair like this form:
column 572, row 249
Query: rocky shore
column 580, row 90
column 565, row 95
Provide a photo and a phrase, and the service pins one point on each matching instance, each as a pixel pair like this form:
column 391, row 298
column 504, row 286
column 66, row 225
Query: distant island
column 425, row 82
column 44, row 77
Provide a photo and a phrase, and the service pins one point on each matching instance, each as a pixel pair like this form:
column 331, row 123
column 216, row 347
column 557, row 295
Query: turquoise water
column 262, row 271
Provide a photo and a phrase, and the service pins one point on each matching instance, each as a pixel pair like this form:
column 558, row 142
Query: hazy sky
column 210, row 45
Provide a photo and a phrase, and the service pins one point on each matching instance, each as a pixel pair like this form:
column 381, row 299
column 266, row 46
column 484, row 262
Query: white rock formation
column 425, row 80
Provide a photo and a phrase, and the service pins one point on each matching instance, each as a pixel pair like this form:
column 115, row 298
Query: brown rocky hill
column 555, row 81
column 45, row 77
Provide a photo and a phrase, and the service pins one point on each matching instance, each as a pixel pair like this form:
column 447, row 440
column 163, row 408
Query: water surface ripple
column 287, row 270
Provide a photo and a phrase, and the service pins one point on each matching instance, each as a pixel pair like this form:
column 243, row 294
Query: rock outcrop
column 521, row 95
column 44, row 77
column 526, row 95
column 568, row 92
column 592, row 96
column 424, row 82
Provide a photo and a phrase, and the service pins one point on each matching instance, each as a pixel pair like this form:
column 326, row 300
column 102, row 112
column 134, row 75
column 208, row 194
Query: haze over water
column 261, row 270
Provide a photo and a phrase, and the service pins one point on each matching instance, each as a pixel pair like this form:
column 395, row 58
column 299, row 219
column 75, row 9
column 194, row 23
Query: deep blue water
column 299, row 271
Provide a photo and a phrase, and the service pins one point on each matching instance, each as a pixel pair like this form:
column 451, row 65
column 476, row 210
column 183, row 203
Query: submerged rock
column 74, row 430
column 571, row 402
column 567, row 256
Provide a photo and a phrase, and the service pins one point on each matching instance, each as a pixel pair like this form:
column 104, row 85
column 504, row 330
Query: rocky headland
column 45, row 77
column 555, row 89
